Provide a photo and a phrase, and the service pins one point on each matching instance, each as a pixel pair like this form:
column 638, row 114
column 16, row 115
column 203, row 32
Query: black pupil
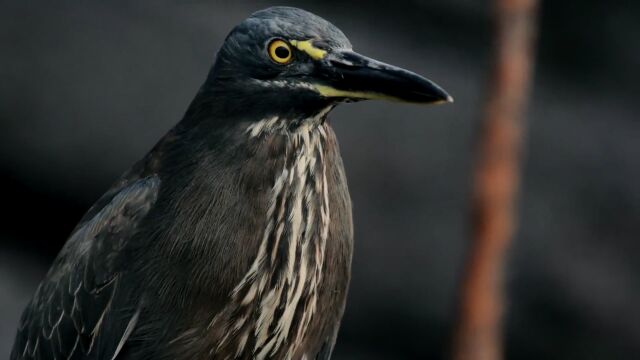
column 282, row 52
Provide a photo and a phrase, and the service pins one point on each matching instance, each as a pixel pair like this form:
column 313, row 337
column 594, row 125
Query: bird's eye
column 280, row 52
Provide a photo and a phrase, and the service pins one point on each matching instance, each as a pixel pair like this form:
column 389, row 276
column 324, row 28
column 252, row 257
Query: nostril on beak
column 347, row 60
column 342, row 64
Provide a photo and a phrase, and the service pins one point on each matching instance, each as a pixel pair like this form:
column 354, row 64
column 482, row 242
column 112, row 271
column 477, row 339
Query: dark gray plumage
column 233, row 237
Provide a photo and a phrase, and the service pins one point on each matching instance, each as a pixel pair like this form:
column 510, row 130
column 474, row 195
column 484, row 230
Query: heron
column 233, row 237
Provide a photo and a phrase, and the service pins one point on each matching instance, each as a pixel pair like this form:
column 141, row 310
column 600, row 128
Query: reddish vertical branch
column 496, row 176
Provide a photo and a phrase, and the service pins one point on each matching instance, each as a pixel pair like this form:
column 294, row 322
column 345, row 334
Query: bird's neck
column 276, row 298
column 276, row 182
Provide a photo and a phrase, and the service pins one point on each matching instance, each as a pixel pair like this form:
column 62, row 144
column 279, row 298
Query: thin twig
column 478, row 333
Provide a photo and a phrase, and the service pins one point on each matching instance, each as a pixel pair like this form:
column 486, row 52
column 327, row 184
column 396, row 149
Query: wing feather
column 68, row 315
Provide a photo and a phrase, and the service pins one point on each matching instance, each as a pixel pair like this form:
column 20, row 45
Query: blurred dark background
column 87, row 87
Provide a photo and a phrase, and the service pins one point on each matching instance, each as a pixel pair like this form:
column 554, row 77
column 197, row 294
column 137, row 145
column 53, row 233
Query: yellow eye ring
column 280, row 52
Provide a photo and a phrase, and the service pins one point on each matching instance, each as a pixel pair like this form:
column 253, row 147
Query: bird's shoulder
column 72, row 312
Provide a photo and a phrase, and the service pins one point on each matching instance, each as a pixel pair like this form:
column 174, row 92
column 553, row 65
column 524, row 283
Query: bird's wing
column 73, row 313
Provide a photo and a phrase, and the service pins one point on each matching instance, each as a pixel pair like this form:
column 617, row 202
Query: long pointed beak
column 349, row 75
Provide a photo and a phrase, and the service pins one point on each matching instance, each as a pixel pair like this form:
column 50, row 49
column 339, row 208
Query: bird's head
column 284, row 59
